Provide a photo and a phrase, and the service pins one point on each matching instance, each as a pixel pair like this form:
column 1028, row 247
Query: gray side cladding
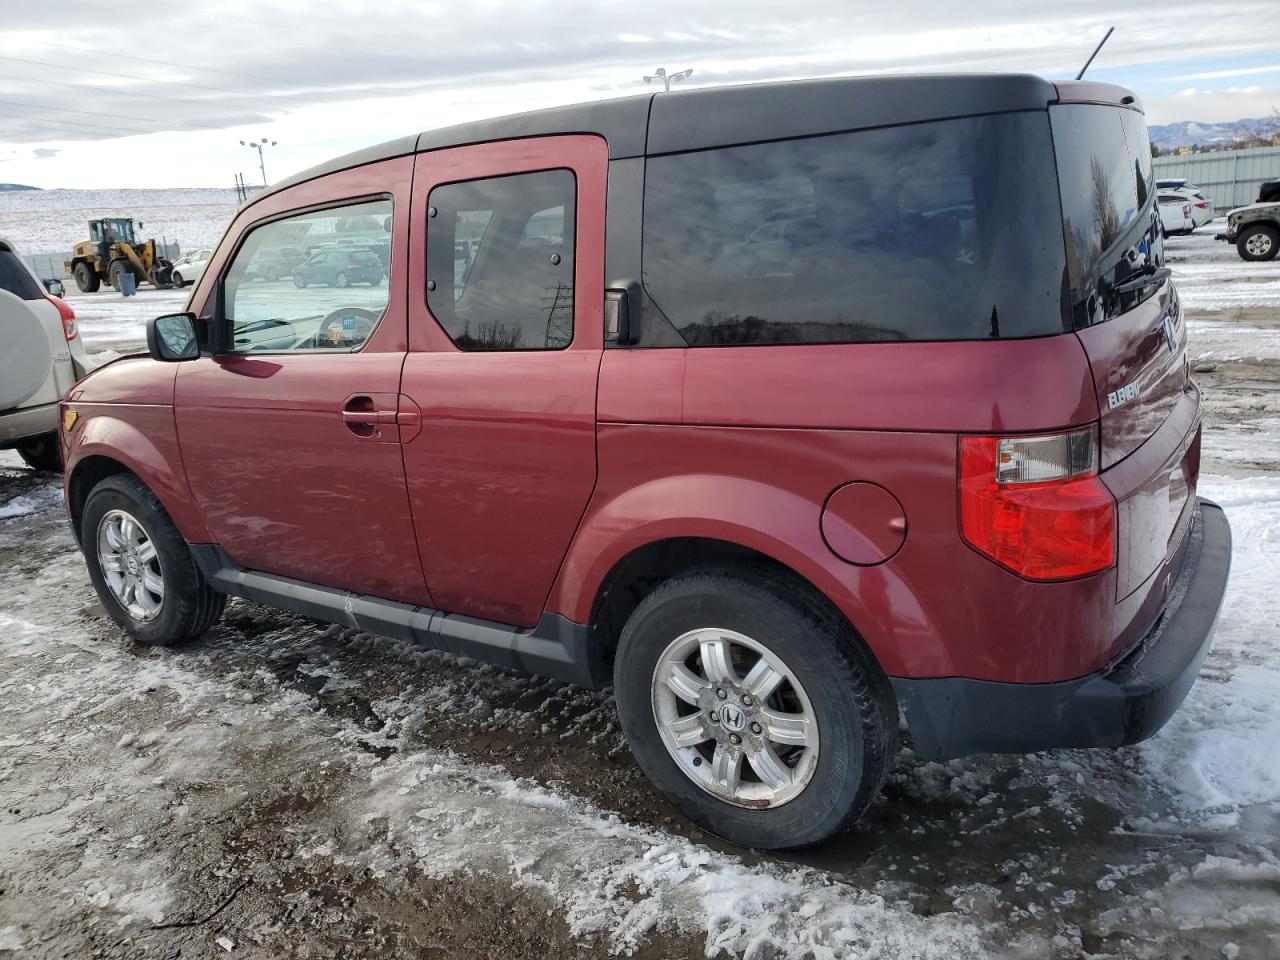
column 718, row 116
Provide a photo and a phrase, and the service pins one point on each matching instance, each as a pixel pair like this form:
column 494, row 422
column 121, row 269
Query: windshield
column 1108, row 201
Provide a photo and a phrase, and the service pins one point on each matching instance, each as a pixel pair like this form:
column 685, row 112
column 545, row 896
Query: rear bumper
column 1229, row 237
column 1128, row 702
column 28, row 422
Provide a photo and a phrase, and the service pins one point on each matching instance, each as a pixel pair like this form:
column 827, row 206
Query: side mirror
column 621, row 311
column 172, row 338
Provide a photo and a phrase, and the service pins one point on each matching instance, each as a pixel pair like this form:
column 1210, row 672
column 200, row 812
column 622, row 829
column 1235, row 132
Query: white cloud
column 177, row 90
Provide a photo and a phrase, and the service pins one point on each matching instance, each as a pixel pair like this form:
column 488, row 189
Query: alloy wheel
column 130, row 565
column 735, row 718
column 1259, row 244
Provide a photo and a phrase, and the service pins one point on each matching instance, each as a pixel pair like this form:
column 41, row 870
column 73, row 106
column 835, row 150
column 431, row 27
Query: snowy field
column 53, row 221
column 287, row 789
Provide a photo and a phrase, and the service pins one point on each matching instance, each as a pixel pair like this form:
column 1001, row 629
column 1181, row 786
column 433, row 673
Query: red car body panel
column 285, row 486
column 506, row 460
column 141, row 436
column 928, row 611
column 1015, row 386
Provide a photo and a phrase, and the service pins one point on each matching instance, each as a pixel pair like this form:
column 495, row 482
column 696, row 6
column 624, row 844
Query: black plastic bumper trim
column 556, row 647
column 952, row 717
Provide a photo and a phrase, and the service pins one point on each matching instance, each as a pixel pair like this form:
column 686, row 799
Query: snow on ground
column 1211, row 277
column 53, row 221
column 303, row 759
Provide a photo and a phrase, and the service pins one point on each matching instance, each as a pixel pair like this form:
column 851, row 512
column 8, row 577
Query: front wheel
column 141, row 567
column 1258, row 242
column 757, row 711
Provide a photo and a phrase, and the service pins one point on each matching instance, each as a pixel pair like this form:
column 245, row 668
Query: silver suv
column 41, row 360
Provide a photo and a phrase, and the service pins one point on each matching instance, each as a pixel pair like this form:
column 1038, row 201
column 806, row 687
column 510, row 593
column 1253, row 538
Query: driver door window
column 312, row 282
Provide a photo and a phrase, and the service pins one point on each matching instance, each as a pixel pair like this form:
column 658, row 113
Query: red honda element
column 785, row 409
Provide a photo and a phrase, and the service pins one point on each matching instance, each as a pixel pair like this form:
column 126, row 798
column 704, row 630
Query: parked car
column 1201, row 205
column 1255, row 228
column 1175, row 214
column 42, row 357
column 340, row 267
column 187, row 270
column 907, row 472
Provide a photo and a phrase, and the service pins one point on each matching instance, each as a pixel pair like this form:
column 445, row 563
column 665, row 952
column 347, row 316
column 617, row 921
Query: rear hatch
column 1127, row 317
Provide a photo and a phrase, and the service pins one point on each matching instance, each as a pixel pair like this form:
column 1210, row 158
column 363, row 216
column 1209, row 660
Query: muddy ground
column 285, row 788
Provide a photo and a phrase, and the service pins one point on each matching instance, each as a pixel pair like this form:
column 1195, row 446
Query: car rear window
column 947, row 230
column 15, row 277
column 1108, row 197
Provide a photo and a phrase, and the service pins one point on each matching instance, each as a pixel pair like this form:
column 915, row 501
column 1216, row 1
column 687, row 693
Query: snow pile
column 1218, row 755
column 29, row 503
column 626, row 881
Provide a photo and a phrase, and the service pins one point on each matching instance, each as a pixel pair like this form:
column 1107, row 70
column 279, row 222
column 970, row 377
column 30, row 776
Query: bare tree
column 1105, row 215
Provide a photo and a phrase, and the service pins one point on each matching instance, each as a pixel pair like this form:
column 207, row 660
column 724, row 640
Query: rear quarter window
column 947, row 230
column 17, row 279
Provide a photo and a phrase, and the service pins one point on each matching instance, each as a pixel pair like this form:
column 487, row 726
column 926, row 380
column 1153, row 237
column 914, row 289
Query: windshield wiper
column 1148, row 277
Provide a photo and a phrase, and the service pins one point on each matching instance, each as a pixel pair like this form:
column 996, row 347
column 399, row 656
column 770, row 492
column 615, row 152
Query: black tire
column 853, row 704
column 1265, row 239
column 117, row 268
column 87, row 278
column 340, row 280
column 190, row 606
column 42, row 453
column 176, row 279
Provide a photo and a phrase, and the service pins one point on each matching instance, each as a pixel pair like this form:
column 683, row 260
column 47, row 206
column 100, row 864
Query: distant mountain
column 1190, row 133
column 16, row 186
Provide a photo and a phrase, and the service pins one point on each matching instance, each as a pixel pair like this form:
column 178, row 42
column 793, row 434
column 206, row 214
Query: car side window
column 316, row 281
column 15, row 277
column 500, row 255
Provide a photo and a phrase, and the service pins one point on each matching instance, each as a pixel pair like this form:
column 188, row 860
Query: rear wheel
column 1258, row 242
column 141, row 567
column 42, row 453
column 176, row 279
column 341, row 280
column 299, row 282
column 87, row 278
column 754, row 709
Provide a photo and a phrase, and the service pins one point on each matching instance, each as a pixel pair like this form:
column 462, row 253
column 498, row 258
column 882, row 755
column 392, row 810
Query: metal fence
column 48, row 265
column 1230, row 177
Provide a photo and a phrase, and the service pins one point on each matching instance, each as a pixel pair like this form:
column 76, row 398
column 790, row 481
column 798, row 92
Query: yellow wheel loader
column 112, row 251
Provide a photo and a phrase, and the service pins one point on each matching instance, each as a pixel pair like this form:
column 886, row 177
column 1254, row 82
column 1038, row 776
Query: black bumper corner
column 953, row 717
column 1229, row 237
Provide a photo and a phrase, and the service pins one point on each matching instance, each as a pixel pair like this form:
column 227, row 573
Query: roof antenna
column 1110, row 31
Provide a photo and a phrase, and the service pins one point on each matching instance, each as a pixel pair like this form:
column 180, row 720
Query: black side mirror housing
column 172, row 338
column 621, row 312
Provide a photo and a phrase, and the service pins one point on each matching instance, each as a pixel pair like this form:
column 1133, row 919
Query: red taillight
column 1201, row 204
column 68, row 316
column 1036, row 504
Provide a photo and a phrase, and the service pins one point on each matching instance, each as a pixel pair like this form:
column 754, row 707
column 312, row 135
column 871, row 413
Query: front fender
column 749, row 513
column 143, row 439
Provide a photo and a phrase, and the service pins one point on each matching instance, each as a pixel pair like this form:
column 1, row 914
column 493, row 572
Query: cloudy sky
column 163, row 99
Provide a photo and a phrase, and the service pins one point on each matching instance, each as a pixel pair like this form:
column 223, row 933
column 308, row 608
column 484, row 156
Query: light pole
column 258, row 145
column 666, row 78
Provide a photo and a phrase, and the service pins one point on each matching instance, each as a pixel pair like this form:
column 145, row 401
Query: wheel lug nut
column 720, row 694
column 746, row 700
column 715, row 717
column 735, row 739
column 755, row 728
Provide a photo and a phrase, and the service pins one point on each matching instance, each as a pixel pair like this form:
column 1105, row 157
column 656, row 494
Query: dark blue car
column 339, row 268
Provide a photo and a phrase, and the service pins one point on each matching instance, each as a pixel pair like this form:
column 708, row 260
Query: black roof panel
column 719, row 116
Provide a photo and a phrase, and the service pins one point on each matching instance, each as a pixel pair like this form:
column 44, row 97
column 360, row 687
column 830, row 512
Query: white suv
column 1201, row 205
column 42, row 357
